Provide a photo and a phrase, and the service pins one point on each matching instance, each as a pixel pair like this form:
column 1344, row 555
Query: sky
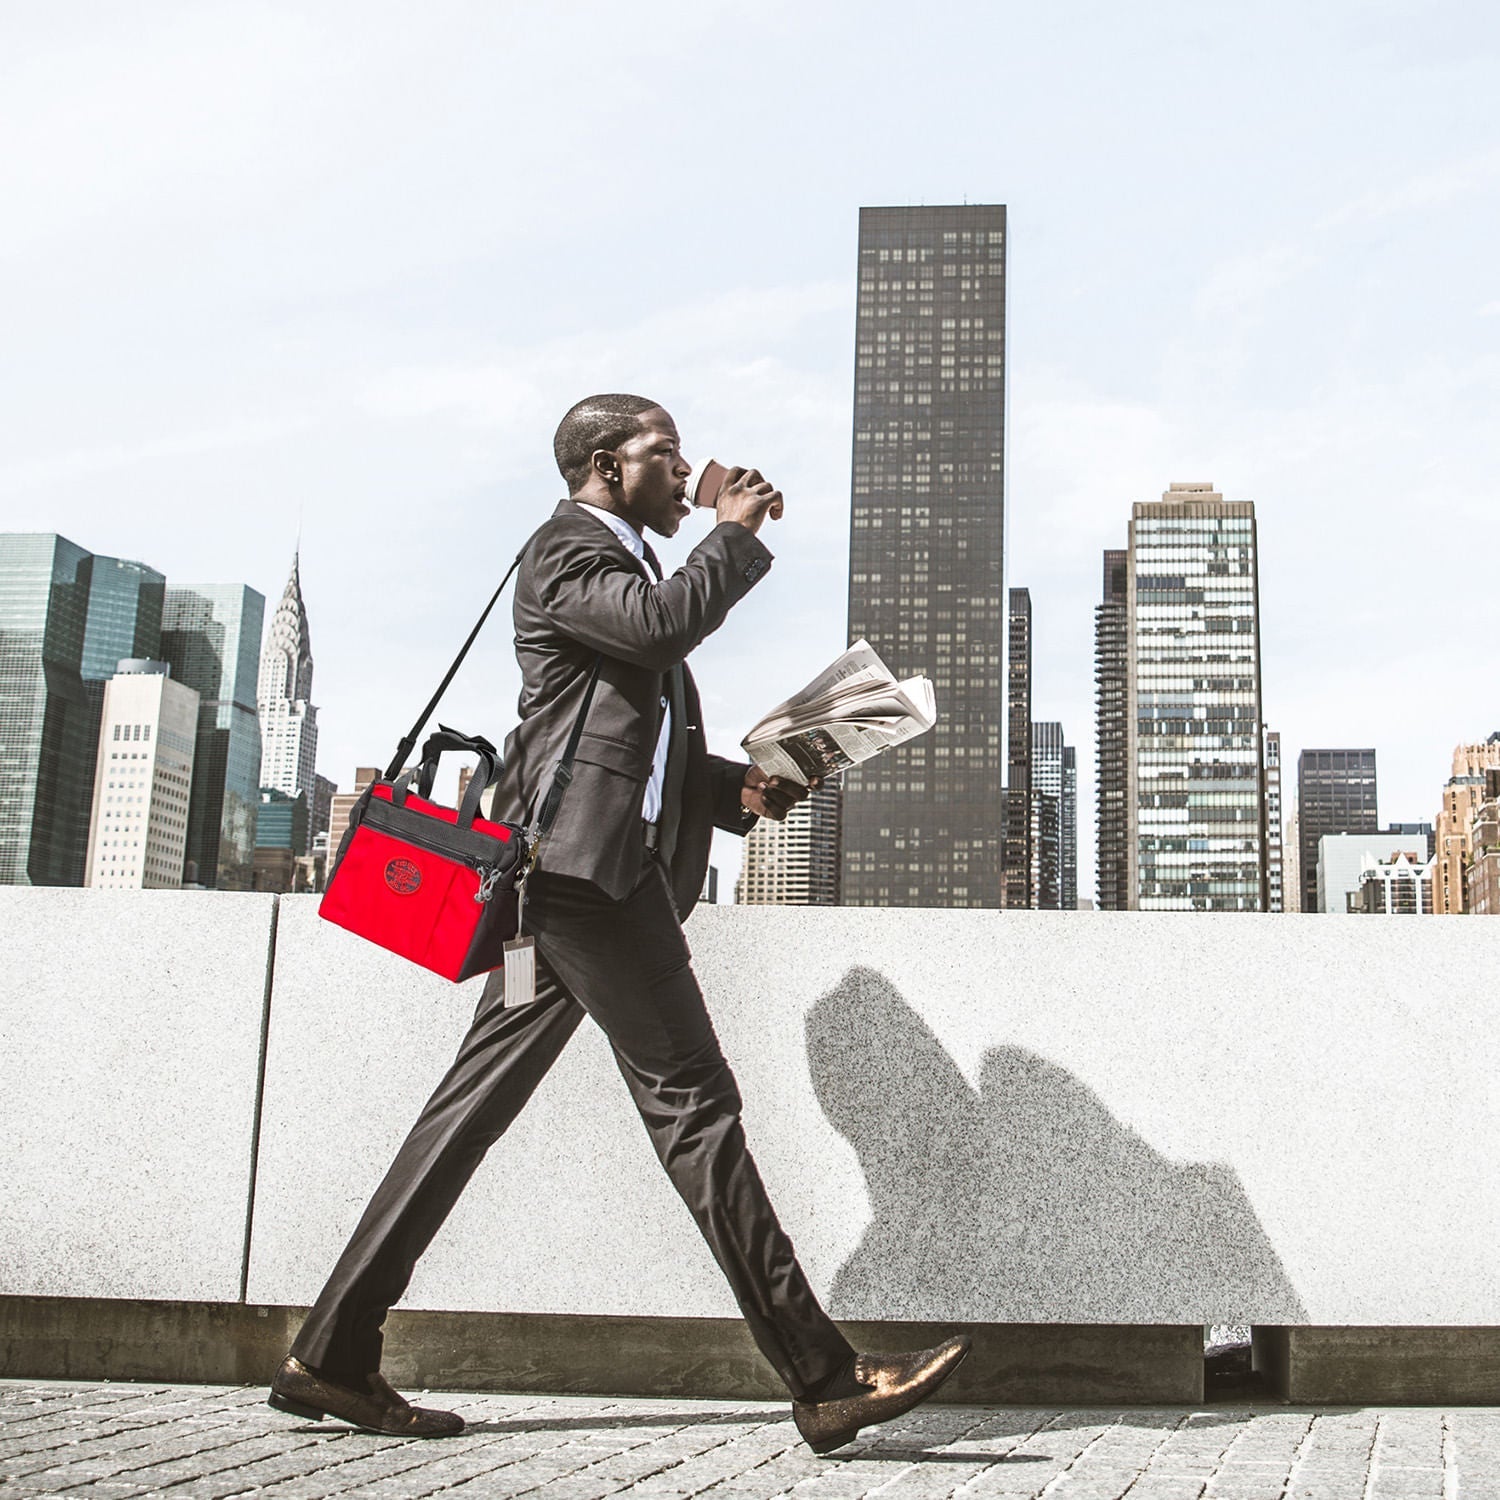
column 336, row 270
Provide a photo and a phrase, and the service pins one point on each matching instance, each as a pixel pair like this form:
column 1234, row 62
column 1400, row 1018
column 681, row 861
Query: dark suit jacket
column 578, row 592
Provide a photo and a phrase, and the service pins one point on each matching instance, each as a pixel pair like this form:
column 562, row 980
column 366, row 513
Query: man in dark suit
column 620, row 869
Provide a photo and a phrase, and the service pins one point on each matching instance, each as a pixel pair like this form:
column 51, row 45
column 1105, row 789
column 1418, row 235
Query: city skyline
column 131, row 724
column 302, row 304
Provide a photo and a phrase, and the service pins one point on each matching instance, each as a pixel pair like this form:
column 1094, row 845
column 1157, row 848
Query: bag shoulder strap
column 407, row 745
column 562, row 773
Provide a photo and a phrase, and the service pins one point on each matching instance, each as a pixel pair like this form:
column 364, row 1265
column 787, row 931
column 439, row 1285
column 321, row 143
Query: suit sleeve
column 727, row 778
column 603, row 600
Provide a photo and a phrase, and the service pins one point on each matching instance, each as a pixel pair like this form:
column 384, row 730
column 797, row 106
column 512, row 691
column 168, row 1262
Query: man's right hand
column 747, row 498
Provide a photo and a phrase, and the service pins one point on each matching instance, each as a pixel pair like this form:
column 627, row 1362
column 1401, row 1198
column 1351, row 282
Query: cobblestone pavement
column 133, row 1440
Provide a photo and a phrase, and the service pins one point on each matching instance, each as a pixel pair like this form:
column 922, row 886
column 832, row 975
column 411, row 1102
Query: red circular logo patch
column 402, row 876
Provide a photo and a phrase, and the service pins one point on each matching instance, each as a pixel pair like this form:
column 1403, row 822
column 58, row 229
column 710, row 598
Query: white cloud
column 1242, row 285
column 1423, row 190
column 97, row 463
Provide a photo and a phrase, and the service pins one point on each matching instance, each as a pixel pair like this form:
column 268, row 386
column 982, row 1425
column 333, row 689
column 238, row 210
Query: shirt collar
column 629, row 537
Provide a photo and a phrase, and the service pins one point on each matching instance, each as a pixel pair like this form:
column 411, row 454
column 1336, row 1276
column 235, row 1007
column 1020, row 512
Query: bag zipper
column 489, row 875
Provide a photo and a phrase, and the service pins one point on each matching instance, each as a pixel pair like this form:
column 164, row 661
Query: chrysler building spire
column 288, row 720
column 286, row 664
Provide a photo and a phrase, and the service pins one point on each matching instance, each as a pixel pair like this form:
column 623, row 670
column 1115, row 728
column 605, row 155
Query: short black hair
column 595, row 422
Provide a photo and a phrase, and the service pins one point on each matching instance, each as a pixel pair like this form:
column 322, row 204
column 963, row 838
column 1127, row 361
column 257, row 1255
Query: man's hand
column 747, row 498
column 771, row 796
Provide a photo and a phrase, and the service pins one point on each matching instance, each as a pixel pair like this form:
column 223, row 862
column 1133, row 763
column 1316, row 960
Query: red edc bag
column 441, row 886
column 438, row 885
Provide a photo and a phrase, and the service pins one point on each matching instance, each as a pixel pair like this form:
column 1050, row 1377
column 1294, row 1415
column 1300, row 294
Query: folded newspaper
column 845, row 715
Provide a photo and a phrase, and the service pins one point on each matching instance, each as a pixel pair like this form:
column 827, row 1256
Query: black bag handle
column 451, row 739
column 424, row 773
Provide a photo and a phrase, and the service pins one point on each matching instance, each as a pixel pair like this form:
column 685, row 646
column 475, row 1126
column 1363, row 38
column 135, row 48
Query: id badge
column 520, row 971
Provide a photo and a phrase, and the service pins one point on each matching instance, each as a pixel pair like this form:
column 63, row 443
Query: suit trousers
column 626, row 964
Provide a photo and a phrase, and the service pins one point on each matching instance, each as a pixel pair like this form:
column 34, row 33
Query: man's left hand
column 771, row 796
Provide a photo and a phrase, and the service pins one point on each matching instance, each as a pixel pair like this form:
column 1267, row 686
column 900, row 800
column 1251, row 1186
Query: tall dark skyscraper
column 1335, row 794
column 1019, row 851
column 211, row 637
column 922, row 824
column 1112, row 726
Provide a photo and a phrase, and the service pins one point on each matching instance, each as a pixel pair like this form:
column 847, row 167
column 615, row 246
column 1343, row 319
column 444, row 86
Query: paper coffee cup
column 705, row 482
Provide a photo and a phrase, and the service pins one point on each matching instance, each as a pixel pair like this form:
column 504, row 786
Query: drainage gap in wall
column 1228, row 1373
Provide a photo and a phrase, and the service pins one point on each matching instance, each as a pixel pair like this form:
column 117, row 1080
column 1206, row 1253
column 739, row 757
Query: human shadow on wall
column 1026, row 1201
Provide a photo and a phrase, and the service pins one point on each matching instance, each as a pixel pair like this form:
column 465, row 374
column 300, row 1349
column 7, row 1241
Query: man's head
column 622, row 454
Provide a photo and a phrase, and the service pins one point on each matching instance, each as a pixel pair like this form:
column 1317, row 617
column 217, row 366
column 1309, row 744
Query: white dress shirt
column 630, row 538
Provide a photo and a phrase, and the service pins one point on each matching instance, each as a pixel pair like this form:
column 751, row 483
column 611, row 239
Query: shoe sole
column 827, row 1445
column 294, row 1408
column 317, row 1414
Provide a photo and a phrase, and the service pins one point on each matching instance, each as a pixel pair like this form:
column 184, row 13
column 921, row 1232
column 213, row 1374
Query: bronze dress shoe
column 897, row 1383
column 304, row 1393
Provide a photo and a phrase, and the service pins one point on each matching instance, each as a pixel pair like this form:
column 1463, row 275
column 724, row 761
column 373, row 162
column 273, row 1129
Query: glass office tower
column 47, row 724
column 1197, row 795
column 922, row 824
column 124, row 616
column 211, row 637
column 123, row 624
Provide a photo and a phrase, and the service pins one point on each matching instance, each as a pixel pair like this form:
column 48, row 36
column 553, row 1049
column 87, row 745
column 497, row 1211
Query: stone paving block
column 1348, row 1487
column 999, row 1483
column 1245, row 1487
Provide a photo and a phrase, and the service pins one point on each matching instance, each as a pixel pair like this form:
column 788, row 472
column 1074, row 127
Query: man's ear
column 605, row 462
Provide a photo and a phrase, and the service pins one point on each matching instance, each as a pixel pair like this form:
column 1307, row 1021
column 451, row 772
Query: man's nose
column 683, row 468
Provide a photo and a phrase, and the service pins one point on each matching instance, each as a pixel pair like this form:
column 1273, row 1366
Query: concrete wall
column 130, row 1038
column 1065, row 1118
